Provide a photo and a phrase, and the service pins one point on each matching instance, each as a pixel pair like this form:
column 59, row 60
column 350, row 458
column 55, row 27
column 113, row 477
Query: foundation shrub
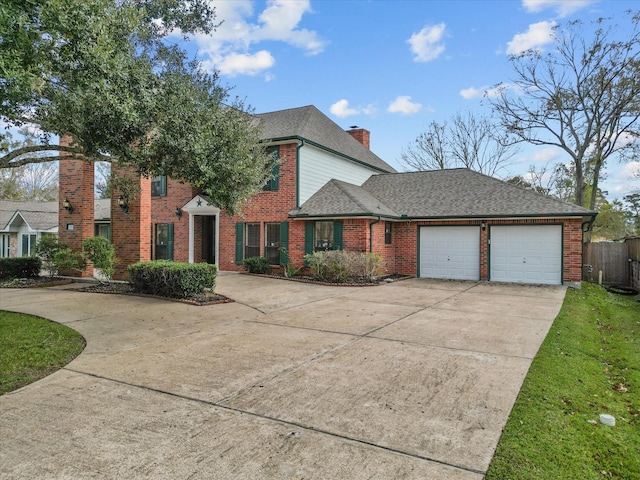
column 20, row 267
column 342, row 266
column 256, row 265
column 172, row 279
column 57, row 256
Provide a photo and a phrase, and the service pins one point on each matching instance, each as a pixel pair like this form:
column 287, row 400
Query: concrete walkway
column 413, row 379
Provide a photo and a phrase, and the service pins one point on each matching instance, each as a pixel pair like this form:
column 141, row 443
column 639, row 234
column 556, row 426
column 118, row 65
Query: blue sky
column 391, row 67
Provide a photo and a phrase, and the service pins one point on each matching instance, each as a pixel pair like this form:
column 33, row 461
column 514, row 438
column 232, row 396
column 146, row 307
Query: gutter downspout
column 300, row 145
column 371, row 224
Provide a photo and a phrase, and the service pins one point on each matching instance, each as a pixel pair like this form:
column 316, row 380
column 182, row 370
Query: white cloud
column 245, row 64
column 426, row 45
column 545, row 155
column 539, row 34
column 630, row 171
column 562, row 7
column 404, row 105
column 471, row 93
column 341, row 109
column 229, row 48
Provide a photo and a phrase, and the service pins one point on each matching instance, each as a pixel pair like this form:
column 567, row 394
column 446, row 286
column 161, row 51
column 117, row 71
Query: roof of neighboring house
column 43, row 215
column 452, row 193
column 311, row 124
column 39, row 215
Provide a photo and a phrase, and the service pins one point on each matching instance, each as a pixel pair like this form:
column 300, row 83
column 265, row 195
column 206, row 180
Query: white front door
column 526, row 254
column 450, row 252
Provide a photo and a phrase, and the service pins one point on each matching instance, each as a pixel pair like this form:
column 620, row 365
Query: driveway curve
column 412, row 379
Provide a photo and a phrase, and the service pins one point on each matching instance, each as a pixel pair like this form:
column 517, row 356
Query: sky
column 391, row 67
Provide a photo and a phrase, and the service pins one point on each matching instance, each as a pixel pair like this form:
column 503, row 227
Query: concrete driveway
column 413, row 379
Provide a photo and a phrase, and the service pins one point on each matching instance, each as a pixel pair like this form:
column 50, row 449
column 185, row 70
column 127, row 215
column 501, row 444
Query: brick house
column 331, row 192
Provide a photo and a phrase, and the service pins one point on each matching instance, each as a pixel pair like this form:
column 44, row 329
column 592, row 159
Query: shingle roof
column 454, row 193
column 39, row 215
column 311, row 124
column 344, row 199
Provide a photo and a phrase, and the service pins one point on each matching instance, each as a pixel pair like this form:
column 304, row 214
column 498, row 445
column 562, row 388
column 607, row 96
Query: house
column 331, row 192
column 23, row 224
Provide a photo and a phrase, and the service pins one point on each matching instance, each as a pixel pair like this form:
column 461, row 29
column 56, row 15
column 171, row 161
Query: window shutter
column 170, row 241
column 284, row 243
column 25, row 245
column 239, row 242
column 337, row 235
column 275, row 181
column 308, row 239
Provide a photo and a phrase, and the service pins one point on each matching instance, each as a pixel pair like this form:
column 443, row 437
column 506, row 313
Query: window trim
column 388, row 233
column 247, row 239
column 161, row 190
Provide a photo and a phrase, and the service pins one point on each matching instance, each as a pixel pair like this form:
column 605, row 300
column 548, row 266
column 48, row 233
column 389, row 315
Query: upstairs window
column 159, row 186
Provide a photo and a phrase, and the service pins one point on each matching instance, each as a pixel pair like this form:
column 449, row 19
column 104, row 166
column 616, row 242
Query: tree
column 581, row 97
column 99, row 72
column 467, row 141
column 632, row 202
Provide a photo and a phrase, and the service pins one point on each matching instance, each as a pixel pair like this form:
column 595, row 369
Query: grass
column 589, row 364
column 32, row 347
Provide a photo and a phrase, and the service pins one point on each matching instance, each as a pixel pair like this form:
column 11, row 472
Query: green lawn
column 32, row 347
column 589, row 364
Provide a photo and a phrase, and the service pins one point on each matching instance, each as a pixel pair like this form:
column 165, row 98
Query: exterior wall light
column 178, row 212
column 67, row 206
column 483, row 225
column 122, row 203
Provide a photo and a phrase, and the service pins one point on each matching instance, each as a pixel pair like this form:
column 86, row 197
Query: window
column 159, row 186
column 5, row 245
column 387, row 232
column 274, row 182
column 163, row 242
column 102, row 230
column 252, row 240
column 272, row 243
column 323, row 236
column 28, row 244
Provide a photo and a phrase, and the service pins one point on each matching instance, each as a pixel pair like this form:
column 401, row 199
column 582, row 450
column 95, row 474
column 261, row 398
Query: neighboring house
column 331, row 192
column 23, row 224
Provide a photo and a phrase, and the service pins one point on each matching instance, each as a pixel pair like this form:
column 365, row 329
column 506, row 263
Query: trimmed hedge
column 257, row 265
column 172, row 279
column 20, row 267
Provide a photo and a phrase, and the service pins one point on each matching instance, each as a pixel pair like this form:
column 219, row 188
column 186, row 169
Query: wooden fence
column 618, row 262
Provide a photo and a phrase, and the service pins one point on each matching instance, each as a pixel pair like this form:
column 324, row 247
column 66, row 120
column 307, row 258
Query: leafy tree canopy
column 101, row 73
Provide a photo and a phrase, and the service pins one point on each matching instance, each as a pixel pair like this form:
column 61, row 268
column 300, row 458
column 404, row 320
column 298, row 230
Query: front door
column 209, row 238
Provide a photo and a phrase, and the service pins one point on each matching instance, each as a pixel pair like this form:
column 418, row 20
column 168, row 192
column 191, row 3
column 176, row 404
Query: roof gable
column 311, row 124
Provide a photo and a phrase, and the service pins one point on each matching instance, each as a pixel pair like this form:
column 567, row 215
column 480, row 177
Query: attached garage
column 526, row 254
column 451, row 252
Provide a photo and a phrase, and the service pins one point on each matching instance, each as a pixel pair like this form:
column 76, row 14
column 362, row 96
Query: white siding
column 317, row 167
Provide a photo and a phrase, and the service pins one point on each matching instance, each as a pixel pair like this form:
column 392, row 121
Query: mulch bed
column 118, row 288
column 309, row 279
column 37, row 282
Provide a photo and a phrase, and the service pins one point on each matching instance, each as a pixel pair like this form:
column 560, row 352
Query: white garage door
column 450, row 252
column 526, row 254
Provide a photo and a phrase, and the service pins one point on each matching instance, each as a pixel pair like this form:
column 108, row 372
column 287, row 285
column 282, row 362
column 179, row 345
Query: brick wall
column 266, row 207
column 131, row 231
column 76, row 179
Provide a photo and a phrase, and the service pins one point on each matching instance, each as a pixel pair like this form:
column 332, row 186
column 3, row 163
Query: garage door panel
column 450, row 252
column 526, row 254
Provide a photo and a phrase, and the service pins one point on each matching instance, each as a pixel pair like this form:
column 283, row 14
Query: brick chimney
column 360, row 134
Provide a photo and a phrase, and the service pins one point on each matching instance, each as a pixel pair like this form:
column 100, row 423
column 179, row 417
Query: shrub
column 172, row 279
column 20, row 267
column 102, row 254
column 257, row 265
column 57, row 256
column 342, row 266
